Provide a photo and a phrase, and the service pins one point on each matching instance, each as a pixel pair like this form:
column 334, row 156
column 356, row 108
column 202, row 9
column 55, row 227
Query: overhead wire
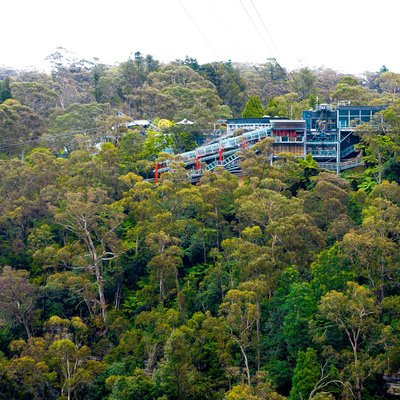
column 234, row 40
column 286, row 73
column 227, row 29
column 265, row 27
column 16, row 144
column 60, row 134
column 11, row 144
column 222, row 21
column 255, row 26
column 260, row 34
column 51, row 137
column 242, row 89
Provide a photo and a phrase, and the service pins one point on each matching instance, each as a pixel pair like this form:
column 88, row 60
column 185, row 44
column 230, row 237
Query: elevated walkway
column 226, row 153
column 220, row 152
column 343, row 165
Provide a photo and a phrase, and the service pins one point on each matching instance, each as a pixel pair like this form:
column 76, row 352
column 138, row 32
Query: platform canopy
column 138, row 122
column 185, row 121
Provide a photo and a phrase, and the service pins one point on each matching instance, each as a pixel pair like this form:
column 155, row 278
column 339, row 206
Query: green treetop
column 5, row 90
column 253, row 108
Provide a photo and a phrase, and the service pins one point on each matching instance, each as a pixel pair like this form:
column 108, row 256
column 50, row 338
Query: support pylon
column 221, row 155
column 198, row 165
column 156, row 172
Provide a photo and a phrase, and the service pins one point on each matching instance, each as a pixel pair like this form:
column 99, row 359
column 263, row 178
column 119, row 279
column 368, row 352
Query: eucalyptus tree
column 93, row 221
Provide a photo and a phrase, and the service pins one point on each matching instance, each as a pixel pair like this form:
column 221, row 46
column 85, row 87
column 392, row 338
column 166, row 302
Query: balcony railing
column 342, row 166
column 286, row 139
column 322, row 153
column 348, row 150
column 322, row 138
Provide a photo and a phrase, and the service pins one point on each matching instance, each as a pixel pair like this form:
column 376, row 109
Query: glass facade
column 327, row 127
column 322, row 151
column 350, row 116
column 321, row 120
column 326, row 133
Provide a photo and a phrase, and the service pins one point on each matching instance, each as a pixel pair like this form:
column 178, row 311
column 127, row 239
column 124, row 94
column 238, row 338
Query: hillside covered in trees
column 282, row 283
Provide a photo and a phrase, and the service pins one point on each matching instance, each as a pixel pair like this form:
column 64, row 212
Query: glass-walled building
column 323, row 120
column 322, row 133
column 351, row 116
column 327, row 132
column 330, row 131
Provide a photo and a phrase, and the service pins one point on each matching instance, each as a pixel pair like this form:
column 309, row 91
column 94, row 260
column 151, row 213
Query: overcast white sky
column 350, row 36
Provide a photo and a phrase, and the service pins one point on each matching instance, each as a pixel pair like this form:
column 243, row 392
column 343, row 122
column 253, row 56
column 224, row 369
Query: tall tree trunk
column 258, row 329
column 357, row 378
column 380, row 168
column 100, row 287
column 353, row 337
column 246, row 362
column 178, row 293
column 118, row 293
column 97, row 269
column 27, row 327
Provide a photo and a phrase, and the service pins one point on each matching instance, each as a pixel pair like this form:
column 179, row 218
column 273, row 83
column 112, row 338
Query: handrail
column 225, row 162
column 225, row 153
column 348, row 164
column 347, row 151
column 226, row 143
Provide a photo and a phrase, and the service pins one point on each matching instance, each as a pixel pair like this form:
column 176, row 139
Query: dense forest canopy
column 280, row 283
